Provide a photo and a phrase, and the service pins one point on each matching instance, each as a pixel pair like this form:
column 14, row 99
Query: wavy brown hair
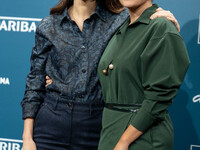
column 112, row 5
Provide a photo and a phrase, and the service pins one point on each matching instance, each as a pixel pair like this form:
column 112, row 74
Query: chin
column 128, row 3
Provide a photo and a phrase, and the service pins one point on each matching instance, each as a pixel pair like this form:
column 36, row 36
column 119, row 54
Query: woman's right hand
column 29, row 144
column 48, row 81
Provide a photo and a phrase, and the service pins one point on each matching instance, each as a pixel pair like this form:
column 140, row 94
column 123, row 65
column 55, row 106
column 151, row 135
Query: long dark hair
column 112, row 5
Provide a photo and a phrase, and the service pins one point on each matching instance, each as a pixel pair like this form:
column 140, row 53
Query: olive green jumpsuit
column 144, row 63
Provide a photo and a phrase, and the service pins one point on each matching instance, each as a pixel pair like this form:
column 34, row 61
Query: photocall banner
column 18, row 21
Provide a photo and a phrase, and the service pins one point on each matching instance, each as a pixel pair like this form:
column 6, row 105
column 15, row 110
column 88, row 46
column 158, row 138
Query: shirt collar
column 64, row 15
column 99, row 11
column 145, row 17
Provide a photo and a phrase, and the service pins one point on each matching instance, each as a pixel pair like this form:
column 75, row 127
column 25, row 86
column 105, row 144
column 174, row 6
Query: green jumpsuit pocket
column 163, row 134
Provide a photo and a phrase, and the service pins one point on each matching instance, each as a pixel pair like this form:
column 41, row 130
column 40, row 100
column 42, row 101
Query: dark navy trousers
column 66, row 125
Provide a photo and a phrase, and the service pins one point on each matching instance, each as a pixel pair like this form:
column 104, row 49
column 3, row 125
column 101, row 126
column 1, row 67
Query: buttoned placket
column 85, row 55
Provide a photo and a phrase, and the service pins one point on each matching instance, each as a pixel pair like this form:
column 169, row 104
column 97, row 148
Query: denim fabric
column 69, row 57
column 67, row 125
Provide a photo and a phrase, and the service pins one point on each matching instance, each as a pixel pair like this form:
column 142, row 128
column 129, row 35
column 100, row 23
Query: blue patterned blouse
column 69, row 57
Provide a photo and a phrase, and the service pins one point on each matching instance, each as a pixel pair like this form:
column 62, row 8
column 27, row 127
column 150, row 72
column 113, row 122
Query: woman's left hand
column 167, row 14
column 121, row 146
column 48, row 81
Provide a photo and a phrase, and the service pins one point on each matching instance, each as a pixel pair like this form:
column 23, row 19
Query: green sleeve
column 164, row 63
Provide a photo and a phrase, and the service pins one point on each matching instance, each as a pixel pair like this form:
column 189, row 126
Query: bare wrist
column 125, row 141
column 27, row 137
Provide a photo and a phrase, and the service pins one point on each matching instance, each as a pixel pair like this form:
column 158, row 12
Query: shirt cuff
column 29, row 110
column 143, row 120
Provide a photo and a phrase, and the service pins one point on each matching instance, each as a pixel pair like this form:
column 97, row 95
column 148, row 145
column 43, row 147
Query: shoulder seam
column 160, row 37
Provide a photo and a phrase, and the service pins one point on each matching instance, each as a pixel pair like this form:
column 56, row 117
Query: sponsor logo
column 194, row 147
column 17, row 24
column 10, row 144
column 196, row 99
column 198, row 42
column 4, row 81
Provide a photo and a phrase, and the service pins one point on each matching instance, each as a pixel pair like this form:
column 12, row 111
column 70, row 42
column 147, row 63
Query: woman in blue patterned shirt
column 68, row 45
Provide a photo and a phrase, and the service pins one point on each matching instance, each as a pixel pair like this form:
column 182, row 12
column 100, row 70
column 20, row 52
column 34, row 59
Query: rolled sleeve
column 35, row 81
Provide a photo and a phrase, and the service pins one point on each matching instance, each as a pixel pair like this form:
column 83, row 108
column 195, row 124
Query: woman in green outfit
column 140, row 73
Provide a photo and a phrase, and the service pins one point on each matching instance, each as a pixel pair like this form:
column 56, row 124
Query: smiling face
column 134, row 3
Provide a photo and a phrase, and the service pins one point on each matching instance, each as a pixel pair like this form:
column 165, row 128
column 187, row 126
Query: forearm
column 28, row 128
column 130, row 135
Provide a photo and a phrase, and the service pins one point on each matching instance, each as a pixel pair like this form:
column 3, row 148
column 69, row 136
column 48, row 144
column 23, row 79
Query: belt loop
column 72, row 106
column 56, row 103
column 90, row 107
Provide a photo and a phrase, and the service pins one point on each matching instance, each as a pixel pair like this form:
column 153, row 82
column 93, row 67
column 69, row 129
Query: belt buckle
column 134, row 110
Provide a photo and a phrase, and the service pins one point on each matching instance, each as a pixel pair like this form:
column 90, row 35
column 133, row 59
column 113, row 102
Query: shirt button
column 80, row 96
column 83, row 47
column 69, row 104
column 104, row 71
column 87, row 21
column 83, row 71
column 111, row 67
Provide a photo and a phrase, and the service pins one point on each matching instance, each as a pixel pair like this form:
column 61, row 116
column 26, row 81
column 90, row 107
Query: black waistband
column 116, row 107
column 124, row 105
column 68, row 105
column 66, row 100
